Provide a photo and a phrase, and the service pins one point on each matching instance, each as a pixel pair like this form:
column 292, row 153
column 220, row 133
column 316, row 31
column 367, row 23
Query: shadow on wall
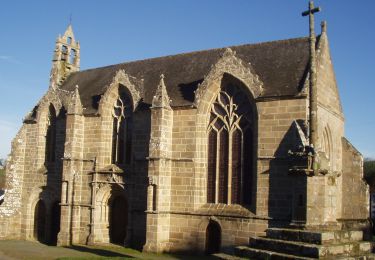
column 138, row 199
column 287, row 192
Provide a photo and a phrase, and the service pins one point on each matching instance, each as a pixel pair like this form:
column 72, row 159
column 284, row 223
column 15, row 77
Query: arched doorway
column 40, row 221
column 213, row 238
column 118, row 220
column 55, row 222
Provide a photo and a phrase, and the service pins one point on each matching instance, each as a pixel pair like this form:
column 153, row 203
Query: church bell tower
column 66, row 58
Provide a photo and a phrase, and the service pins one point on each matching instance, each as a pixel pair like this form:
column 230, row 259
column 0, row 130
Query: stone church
column 207, row 151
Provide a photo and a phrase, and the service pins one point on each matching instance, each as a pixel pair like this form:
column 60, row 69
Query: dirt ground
column 27, row 250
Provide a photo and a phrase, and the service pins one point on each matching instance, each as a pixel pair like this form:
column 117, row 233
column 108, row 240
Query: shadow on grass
column 99, row 252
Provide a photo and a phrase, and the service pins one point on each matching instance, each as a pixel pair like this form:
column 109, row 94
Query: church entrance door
column 40, row 221
column 118, row 220
column 213, row 238
column 55, row 223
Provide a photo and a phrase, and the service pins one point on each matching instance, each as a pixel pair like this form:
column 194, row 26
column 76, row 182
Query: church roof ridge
column 256, row 44
column 185, row 71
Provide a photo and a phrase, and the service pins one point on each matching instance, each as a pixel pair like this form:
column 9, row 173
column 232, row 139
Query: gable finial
column 161, row 98
column 75, row 104
column 323, row 26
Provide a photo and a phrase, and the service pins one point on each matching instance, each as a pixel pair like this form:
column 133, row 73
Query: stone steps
column 315, row 237
column 362, row 257
column 287, row 243
column 309, row 249
column 254, row 253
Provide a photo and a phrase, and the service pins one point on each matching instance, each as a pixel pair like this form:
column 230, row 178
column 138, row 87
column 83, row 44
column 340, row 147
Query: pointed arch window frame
column 122, row 114
column 50, row 150
column 228, row 192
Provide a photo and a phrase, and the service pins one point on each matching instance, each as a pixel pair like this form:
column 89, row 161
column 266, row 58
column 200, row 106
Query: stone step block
column 311, row 250
column 315, row 237
column 253, row 253
column 224, row 256
column 362, row 257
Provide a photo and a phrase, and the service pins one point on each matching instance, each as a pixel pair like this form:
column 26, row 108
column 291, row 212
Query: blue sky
column 116, row 31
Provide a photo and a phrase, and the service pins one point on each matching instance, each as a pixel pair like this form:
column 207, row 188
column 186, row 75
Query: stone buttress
column 159, row 189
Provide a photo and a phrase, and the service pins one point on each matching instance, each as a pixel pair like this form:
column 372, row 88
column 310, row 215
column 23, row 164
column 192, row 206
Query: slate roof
column 281, row 65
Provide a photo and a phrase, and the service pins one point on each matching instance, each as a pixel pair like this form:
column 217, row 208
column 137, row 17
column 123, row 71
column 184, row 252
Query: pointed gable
column 328, row 94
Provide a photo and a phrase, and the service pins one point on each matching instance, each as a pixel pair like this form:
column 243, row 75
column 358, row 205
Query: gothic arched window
column 230, row 148
column 122, row 129
column 51, row 136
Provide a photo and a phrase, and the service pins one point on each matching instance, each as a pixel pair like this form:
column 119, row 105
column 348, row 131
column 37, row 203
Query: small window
column 72, row 56
column 69, row 40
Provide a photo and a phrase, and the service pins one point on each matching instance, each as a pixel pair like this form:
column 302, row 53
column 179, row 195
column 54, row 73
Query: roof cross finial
column 313, row 100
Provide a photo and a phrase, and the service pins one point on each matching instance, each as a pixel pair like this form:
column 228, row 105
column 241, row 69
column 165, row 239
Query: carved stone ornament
column 234, row 66
column 123, row 78
column 161, row 98
column 112, row 168
column 156, row 146
column 152, row 180
column 115, row 177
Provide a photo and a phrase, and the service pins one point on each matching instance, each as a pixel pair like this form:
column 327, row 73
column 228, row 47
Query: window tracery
column 122, row 127
column 230, row 148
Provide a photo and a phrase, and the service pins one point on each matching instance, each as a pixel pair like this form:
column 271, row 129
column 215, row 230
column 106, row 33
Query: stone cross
column 313, row 140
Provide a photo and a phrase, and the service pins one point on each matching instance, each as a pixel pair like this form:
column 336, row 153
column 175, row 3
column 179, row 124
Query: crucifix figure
column 313, row 128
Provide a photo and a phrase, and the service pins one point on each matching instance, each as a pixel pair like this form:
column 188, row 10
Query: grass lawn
column 27, row 250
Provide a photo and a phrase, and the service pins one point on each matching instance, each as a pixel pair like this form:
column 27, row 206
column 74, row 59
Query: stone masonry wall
column 355, row 198
column 274, row 140
column 10, row 210
column 183, row 146
column 276, row 136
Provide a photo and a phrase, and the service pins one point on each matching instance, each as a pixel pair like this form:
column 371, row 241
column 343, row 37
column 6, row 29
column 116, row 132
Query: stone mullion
column 229, row 193
column 217, row 176
column 242, row 169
